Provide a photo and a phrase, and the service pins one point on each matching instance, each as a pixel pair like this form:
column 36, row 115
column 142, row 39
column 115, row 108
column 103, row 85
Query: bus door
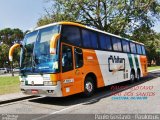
column 70, row 77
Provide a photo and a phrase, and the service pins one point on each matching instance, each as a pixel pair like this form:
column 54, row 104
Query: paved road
column 138, row 98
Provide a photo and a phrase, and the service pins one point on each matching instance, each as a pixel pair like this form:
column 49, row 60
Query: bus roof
column 83, row 26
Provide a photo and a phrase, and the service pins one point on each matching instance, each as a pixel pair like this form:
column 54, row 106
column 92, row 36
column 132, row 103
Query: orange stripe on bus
column 143, row 61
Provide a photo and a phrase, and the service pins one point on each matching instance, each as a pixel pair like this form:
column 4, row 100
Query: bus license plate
column 34, row 91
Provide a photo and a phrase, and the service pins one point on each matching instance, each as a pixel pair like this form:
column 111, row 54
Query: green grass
column 9, row 85
column 153, row 68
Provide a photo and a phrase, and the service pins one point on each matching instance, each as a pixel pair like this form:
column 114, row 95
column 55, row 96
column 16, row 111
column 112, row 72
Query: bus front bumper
column 53, row 91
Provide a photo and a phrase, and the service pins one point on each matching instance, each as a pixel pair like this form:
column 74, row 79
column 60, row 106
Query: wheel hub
column 89, row 86
column 132, row 77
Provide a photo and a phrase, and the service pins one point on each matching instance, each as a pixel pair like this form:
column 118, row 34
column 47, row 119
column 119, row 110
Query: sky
column 24, row 14
column 157, row 26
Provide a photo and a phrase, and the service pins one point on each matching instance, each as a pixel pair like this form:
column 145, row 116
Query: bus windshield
column 35, row 54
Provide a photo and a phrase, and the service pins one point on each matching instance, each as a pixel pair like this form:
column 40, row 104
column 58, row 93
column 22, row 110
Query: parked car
column 8, row 70
column 16, row 69
column 3, row 70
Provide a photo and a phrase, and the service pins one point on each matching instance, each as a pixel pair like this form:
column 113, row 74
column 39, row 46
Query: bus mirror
column 53, row 43
column 11, row 50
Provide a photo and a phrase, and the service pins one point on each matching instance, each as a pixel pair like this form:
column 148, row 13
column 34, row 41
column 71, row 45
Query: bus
column 66, row 58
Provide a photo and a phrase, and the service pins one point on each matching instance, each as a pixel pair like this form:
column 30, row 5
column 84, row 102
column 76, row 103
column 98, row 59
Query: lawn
column 9, row 85
column 153, row 68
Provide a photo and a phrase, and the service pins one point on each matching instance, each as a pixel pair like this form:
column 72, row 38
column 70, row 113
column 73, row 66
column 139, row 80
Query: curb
column 16, row 99
column 153, row 70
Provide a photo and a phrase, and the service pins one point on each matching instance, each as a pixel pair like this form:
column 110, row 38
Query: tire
column 89, row 87
column 138, row 76
column 132, row 77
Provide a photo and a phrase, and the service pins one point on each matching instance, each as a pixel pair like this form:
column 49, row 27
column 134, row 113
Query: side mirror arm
column 53, row 43
column 11, row 50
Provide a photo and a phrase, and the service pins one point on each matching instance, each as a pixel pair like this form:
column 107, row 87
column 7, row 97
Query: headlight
column 49, row 83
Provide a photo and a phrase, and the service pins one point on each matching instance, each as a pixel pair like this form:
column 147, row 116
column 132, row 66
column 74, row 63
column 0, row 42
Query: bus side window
column 133, row 47
column 93, row 38
column 116, row 44
column 67, row 58
column 71, row 34
column 139, row 51
column 102, row 40
column 143, row 50
column 78, row 57
column 86, row 38
column 90, row 39
column 125, row 45
column 105, row 42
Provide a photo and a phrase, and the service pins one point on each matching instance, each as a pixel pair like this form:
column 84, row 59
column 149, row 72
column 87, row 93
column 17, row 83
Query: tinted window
column 42, row 47
column 78, row 57
column 93, row 38
column 133, row 47
column 116, row 44
column 139, row 51
column 71, row 34
column 143, row 50
column 86, row 38
column 105, row 42
column 89, row 39
column 67, row 58
column 125, row 45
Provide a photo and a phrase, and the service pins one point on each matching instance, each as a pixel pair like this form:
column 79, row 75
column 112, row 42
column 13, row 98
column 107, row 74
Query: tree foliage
column 8, row 37
column 4, row 55
column 115, row 16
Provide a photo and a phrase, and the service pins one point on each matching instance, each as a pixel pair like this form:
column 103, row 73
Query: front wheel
column 89, row 87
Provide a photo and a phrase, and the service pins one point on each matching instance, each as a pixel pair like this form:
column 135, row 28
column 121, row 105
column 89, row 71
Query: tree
column 157, row 56
column 116, row 16
column 8, row 37
column 4, row 55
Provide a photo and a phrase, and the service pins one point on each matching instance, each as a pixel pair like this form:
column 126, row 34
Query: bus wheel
column 138, row 75
column 132, row 77
column 89, row 87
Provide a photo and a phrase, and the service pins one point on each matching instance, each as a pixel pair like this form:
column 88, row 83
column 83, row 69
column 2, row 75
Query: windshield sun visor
column 53, row 43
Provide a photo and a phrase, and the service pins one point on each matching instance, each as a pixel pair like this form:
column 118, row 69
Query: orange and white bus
column 66, row 58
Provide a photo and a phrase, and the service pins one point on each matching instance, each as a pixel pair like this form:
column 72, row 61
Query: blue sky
column 24, row 14
column 21, row 14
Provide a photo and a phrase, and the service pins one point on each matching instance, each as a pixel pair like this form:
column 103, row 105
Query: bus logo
column 115, row 63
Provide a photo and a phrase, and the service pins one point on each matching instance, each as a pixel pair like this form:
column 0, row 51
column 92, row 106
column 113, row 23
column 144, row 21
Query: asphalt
column 8, row 98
